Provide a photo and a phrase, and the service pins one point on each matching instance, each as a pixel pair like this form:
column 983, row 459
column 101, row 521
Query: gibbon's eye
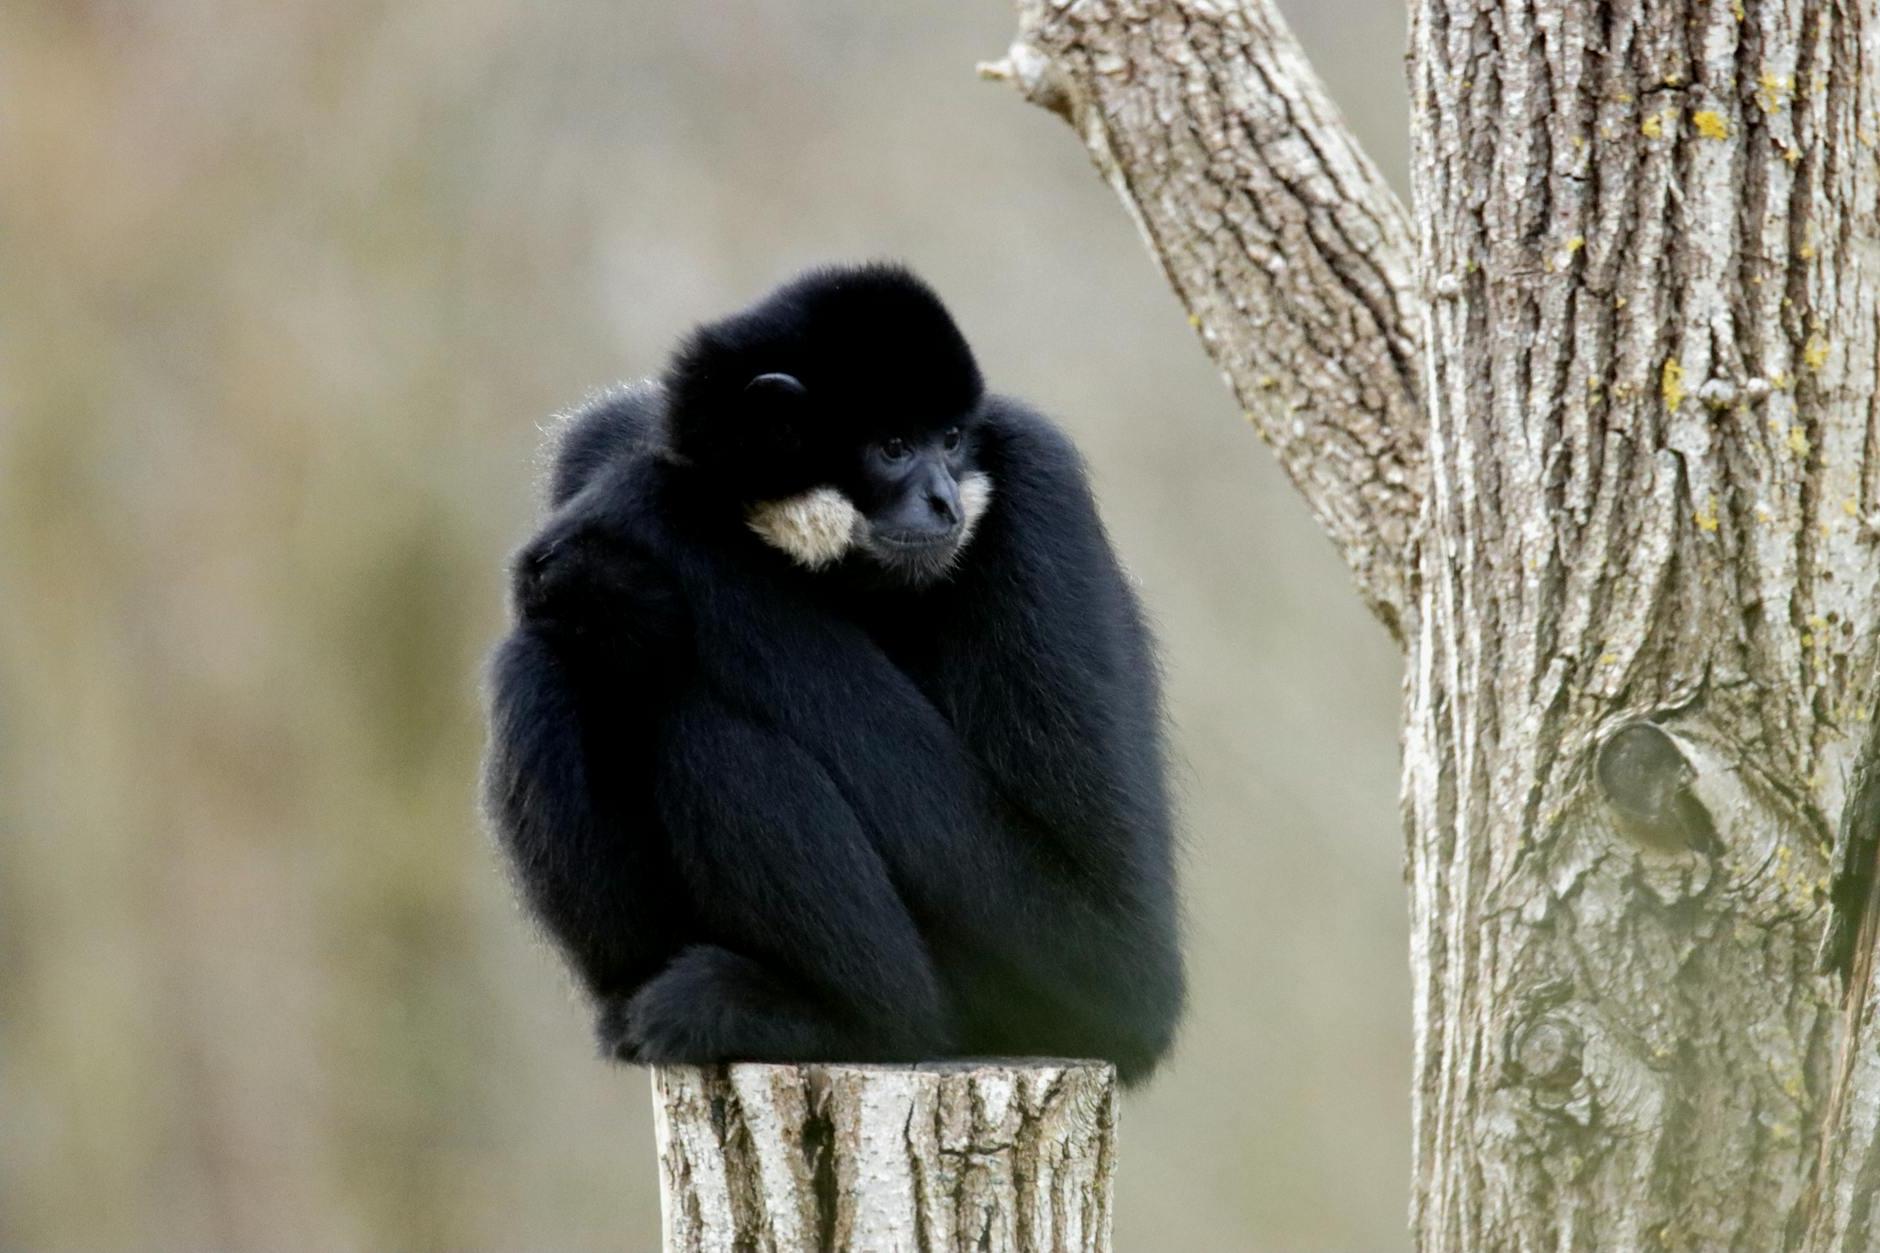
column 894, row 449
column 952, row 439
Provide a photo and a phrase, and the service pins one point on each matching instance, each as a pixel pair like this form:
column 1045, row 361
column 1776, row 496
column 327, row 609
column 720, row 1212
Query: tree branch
column 1279, row 235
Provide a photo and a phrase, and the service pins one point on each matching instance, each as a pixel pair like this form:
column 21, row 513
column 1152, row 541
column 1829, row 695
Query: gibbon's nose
column 927, row 507
column 943, row 496
column 944, row 500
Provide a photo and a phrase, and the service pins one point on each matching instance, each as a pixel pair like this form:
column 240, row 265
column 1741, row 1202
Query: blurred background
column 287, row 292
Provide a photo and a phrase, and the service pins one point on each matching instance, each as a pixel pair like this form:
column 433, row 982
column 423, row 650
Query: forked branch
column 1292, row 256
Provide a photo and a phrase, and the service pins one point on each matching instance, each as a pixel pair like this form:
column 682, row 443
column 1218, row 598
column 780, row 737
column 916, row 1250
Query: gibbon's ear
column 773, row 410
column 777, row 386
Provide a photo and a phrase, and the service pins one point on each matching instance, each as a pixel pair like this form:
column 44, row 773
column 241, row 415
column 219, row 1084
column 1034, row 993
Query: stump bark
column 1005, row 1156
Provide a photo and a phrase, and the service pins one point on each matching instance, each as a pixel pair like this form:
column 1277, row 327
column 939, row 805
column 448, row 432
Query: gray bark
column 1279, row 235
column 1630, row 554
column 1004, row 1157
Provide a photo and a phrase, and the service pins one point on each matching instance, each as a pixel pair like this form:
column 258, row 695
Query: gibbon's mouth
column 918, row 541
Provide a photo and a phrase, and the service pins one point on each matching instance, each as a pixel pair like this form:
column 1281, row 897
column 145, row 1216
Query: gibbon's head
column 839, row 412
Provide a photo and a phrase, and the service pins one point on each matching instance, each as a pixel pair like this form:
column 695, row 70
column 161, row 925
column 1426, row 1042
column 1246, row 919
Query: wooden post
column 1005, row 1156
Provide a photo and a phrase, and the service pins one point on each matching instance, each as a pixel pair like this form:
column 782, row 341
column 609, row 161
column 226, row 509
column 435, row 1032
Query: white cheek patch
column 975, row 496
column 814, row 528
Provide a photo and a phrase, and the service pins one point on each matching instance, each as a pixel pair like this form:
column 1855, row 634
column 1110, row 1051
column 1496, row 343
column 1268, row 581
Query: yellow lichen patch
column 1624, row 97
column 1763, row 514
column 1194, row 320
column 1780, row 381
column 1791, row 154
column 1706, row 515
column 1671, row 384
column 1851, row 507
column 1710, row 124
column 1798, row 441
column 1575, row 244
column 1607, row 659
column 1806, row 252
column 1652, row 127
column 1773, row 90
column 1736, row 9
column 1815, row 352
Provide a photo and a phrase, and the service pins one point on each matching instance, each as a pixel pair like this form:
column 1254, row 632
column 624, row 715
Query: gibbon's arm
column 1048, row 669
column 600, row 636
column 598, row 885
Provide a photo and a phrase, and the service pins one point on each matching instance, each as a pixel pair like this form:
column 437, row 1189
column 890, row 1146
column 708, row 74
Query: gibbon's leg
column 813, row 954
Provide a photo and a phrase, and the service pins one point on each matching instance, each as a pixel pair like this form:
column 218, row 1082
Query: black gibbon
column 829, row 726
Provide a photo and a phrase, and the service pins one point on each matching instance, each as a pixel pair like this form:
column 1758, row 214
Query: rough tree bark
column 1002, row 1157
column 1602, row 448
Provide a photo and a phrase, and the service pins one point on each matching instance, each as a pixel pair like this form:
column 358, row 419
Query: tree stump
column 1006, row 1156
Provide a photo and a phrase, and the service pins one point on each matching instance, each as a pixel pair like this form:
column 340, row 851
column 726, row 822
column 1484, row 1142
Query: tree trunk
column 1002, row 1157
column 1609, row 467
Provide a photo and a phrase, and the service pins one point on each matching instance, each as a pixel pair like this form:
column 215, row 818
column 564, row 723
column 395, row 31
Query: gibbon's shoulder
column 1029, row 456
column 619, row 425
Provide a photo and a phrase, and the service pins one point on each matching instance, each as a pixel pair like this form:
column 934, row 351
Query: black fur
column 780, row 814
column 873, row 346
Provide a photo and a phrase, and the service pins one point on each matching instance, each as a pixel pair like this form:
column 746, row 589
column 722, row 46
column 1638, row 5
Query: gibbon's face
column 920, row 500
column 907, row 503
column 843, row 404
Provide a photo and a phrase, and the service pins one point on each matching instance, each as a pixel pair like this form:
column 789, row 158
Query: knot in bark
column 1547, row 1055
column 1646, row 782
